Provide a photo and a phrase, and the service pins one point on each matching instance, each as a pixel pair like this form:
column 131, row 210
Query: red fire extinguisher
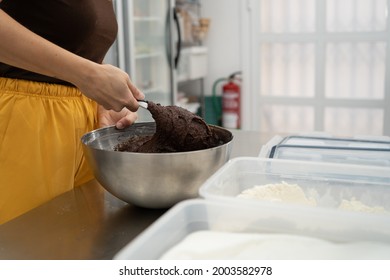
column 231, row 103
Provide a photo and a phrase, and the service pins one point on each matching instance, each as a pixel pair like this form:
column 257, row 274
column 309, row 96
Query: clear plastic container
column 198, row 214
column 330, row 185
column 364, row 151
column 222, row 211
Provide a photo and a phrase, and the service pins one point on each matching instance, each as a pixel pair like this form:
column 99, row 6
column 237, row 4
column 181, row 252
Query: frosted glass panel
column 287, row 69
column 355, row 70
column 287, row 16
column 284, row 118
column 148, row 8
column 313, row 56
column 354, row 121
column 356, row 15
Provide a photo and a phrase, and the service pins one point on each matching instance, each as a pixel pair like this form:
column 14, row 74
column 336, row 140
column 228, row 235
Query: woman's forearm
column 106, row 84
column 24, row 49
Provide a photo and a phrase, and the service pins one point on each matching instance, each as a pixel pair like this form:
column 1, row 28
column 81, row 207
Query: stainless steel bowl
column 157, row 180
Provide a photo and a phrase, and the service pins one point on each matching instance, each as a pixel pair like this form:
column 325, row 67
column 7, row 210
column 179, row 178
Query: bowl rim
column 113, row 127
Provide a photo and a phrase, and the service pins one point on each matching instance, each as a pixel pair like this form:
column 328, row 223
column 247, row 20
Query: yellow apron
column 40, row 149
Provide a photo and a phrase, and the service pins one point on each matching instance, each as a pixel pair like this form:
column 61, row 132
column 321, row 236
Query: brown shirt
column 85, row 27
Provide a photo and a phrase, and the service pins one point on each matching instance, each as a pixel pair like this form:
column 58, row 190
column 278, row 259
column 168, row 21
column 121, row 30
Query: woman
column 51, row 77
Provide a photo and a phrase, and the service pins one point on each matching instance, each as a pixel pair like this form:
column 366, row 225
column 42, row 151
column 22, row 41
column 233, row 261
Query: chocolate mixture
column 177, row 130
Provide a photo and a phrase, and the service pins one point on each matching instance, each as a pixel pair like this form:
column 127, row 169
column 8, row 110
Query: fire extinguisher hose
column 216, row 105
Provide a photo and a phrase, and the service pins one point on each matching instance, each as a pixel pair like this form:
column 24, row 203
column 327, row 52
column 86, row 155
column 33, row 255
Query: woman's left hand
column 120, row 119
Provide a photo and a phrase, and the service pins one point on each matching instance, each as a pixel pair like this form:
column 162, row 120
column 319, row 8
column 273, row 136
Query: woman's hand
column 107, row 85
column 120, row 119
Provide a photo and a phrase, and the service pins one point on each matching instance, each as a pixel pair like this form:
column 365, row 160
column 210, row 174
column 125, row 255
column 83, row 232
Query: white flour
column 278, row 192
column 293, row 193
column 355, row 205
column 226, row 245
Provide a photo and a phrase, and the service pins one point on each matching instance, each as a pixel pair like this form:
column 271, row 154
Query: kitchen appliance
column 151, row 48
column 148, row 48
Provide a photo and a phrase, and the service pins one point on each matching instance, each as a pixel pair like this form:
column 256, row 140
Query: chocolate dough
column 177, row 130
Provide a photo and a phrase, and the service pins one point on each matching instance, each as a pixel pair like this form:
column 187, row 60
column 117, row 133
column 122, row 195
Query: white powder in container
column 227, row 245
column 280, row 192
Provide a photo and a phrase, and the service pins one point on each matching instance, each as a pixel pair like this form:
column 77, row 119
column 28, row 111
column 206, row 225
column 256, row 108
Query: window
column 317, row 65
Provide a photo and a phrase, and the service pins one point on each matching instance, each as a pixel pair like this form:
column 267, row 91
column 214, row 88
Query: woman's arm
column 106, row 84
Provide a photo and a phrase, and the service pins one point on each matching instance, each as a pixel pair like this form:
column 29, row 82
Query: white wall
column 223, row 39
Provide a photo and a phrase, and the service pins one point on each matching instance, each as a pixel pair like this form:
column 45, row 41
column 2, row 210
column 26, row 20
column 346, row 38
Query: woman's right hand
column 109, row 86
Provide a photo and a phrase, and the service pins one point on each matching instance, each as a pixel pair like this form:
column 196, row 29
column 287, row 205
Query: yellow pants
column 40, row 149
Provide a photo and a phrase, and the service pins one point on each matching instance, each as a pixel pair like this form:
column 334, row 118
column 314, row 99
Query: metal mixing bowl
column 155, row 180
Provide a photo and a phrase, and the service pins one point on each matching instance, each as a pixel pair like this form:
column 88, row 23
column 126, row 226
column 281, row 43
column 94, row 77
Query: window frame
column 252, row 38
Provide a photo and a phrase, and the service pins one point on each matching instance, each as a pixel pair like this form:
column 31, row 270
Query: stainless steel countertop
column 88, row 222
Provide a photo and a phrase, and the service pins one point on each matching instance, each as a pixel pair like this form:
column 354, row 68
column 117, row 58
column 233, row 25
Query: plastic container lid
column 329, row 149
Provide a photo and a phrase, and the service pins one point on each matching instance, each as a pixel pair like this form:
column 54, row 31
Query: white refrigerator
column 148, row 48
